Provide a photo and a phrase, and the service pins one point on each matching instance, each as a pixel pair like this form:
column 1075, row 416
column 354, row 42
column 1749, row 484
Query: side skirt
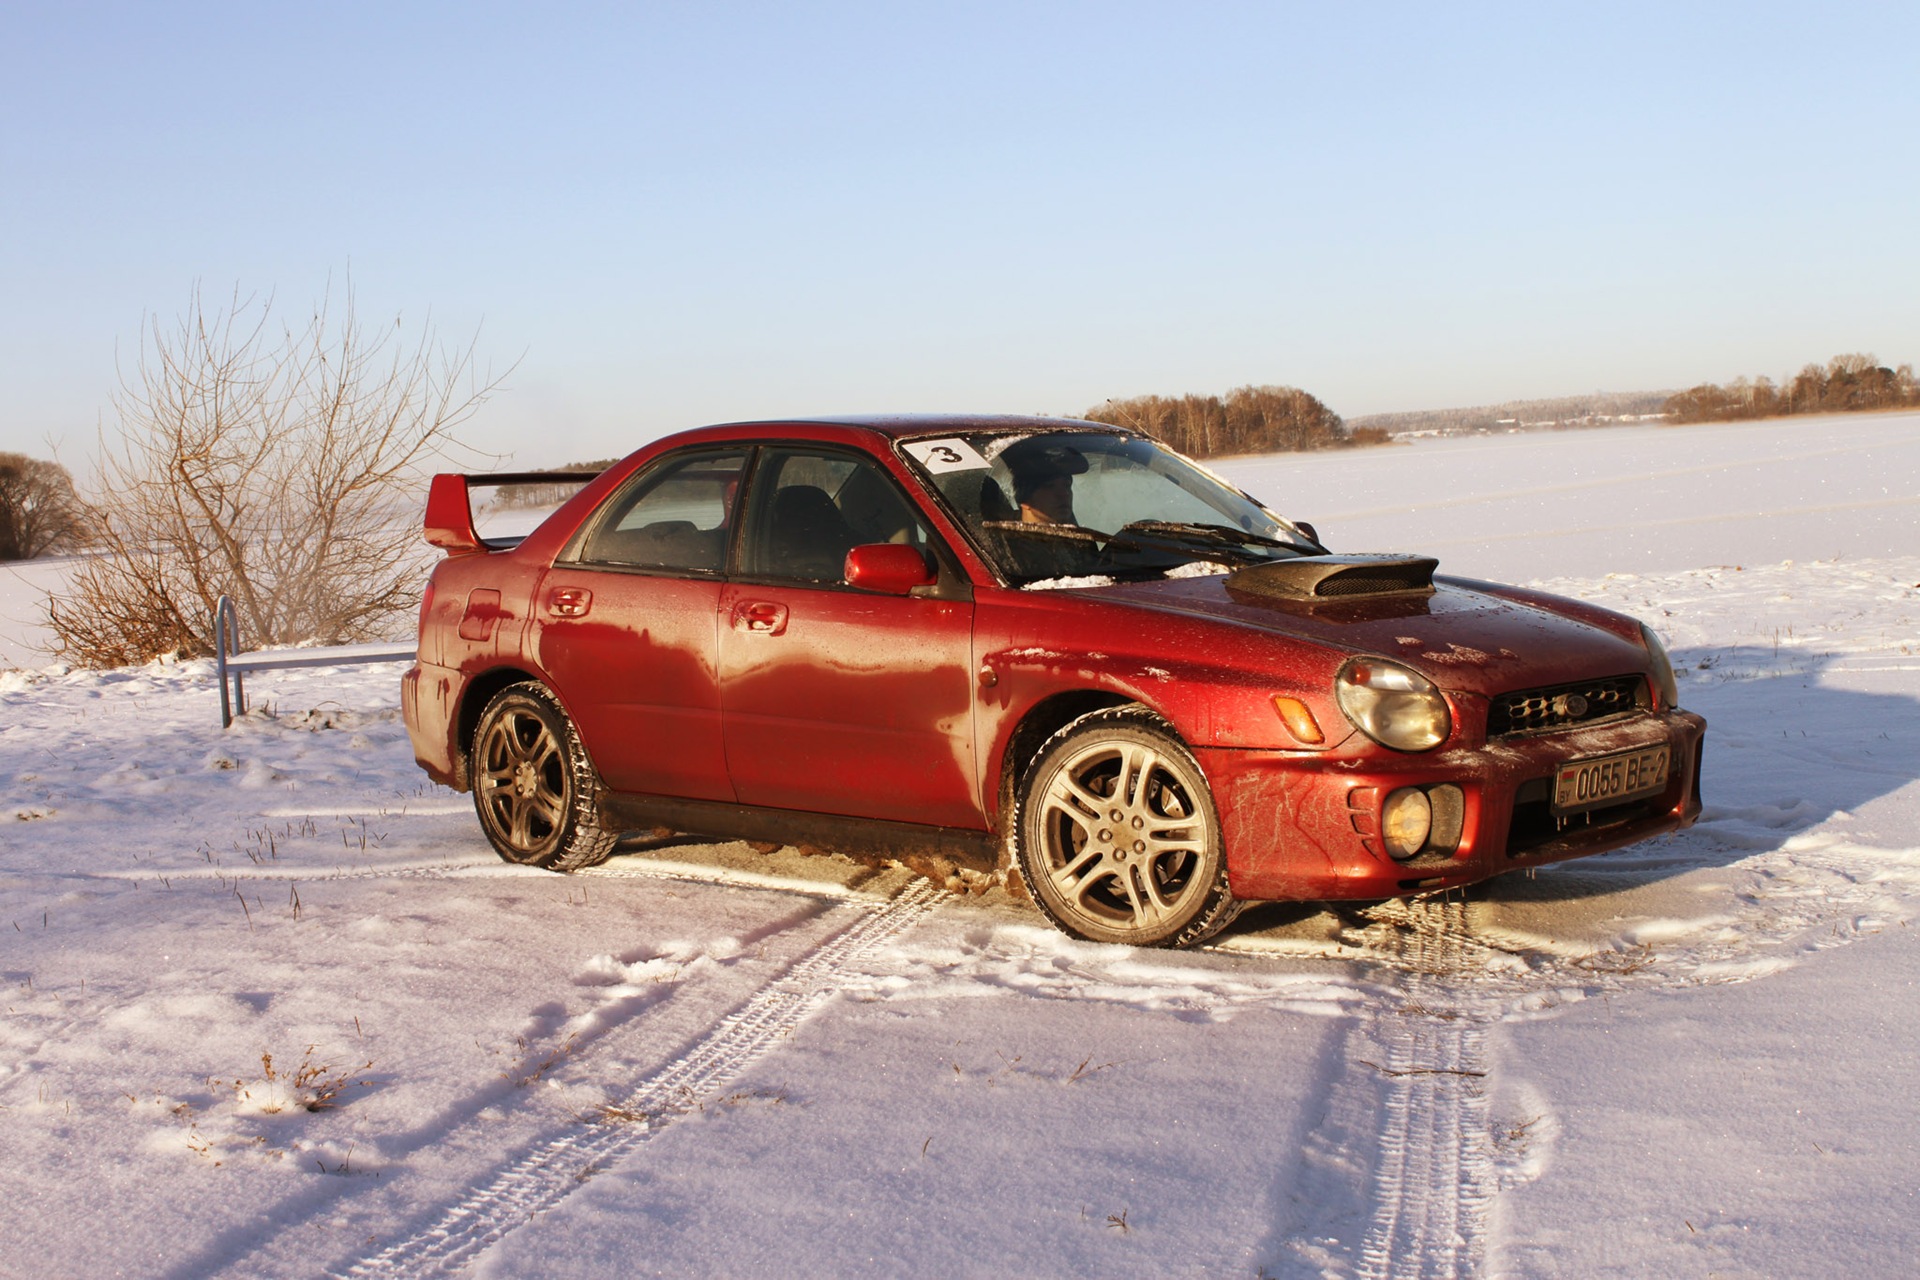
column 865, row 839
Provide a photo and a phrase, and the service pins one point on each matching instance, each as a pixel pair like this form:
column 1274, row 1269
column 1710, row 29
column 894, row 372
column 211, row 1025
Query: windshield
column 1070, row 505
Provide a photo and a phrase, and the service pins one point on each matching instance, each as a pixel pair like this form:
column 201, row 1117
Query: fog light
column 1405, row 820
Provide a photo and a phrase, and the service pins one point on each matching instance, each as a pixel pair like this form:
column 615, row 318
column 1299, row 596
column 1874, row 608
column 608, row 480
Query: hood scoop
column 1336, row 577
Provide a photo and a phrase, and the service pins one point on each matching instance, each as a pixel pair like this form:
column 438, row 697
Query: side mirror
column 1309, row 530
column 889, row 568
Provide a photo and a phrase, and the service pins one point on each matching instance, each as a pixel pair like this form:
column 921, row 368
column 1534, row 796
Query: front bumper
column 1305, row 827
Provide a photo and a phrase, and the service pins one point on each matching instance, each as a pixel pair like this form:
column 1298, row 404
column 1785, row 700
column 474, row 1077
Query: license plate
column 1587, row 784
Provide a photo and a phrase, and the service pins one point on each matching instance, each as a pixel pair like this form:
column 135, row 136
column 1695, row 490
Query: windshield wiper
column 1220, row 536
column 1132, row 534
column 1184, row 540
column 1100, row 547
column 1197, row 531
column 1064, row 532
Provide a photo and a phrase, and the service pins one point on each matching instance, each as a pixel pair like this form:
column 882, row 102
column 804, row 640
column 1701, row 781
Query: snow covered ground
column 274, row 1009
column 25, row 639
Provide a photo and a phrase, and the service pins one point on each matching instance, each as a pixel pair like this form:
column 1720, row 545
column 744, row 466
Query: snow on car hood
column 1463, row 636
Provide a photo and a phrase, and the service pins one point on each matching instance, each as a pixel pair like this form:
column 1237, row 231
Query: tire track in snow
column 547, row 1173
column 1434, row 1175
column 306, row 1224
column 1399, row 1176
column 687, row 873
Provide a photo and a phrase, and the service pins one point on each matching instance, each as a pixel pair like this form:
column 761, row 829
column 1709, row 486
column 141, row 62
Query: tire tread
column 586, row 842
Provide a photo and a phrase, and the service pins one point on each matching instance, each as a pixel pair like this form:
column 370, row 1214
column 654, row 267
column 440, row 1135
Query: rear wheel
column 1118, row 838
column 534, row 788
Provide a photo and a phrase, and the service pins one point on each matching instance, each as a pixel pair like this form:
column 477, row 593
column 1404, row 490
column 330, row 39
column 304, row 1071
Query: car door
column 625, row 627
column 834, row 699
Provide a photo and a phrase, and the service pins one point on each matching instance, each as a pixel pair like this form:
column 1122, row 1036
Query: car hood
column 1465, row 636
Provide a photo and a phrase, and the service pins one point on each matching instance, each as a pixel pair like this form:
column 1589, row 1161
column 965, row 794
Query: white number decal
column 939, row 456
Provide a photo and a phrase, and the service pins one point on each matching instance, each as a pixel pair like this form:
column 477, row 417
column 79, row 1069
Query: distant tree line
column 551, row 495
column 1246, row 420
column 1847, row 384
column 1598, row 408
column 39, row 511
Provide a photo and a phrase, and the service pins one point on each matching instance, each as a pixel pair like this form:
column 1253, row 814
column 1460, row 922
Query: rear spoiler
column 449, row 523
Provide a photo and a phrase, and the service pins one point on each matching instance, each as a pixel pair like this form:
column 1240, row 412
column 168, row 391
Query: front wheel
column 1117, row 834
column 533, row 786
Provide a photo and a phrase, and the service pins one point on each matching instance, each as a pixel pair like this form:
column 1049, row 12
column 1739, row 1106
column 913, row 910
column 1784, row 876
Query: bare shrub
column 115, row 612
column 280, row 465
column 39, row 511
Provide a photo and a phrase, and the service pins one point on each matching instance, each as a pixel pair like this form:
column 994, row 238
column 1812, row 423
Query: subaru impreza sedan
column 1050, row 654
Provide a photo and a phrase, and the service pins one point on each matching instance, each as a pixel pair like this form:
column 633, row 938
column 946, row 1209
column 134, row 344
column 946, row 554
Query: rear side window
column 676, row 515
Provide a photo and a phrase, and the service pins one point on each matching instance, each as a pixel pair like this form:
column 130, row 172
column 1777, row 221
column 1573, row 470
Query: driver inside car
column 1043, row 483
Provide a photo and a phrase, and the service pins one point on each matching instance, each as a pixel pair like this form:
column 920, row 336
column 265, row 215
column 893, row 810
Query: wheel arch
column 1040, row 722
column 480, row 690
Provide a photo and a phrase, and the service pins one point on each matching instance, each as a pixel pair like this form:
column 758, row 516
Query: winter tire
column 1117, row 835
column 534, row 788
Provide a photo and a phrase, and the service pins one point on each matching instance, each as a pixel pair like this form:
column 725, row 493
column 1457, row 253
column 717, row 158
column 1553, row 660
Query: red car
column 1053, row 653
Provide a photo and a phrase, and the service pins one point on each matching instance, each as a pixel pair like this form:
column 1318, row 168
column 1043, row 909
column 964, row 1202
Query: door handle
column 569, row 602
column 762, row 617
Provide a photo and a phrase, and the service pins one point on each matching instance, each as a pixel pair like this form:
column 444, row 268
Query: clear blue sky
column 680, row 213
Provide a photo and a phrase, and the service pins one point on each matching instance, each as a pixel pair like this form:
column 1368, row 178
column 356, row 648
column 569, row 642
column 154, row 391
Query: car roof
column 903, row 425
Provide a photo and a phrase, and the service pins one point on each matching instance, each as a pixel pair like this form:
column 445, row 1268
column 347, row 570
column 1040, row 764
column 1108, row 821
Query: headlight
column 1663, row 678
column 1394, row 706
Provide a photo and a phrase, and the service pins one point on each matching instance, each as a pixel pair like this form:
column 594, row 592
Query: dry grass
column 1084, row 1070
column 531, row 1069
column 310, row 1086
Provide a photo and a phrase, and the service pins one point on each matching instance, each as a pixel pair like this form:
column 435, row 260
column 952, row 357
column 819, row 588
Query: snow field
column 1589, row 503
column 1690, row 1057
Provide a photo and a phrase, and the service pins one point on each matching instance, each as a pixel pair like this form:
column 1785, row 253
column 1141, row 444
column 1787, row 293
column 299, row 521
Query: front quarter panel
column 1214, row 684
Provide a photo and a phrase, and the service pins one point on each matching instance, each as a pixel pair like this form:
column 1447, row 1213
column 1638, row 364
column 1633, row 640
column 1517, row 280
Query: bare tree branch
column 278, row 465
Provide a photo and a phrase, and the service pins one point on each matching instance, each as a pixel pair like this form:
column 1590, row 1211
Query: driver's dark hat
column 1034, row 463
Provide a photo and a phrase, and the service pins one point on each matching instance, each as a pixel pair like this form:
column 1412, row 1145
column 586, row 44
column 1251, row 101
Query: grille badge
column 1565, row 706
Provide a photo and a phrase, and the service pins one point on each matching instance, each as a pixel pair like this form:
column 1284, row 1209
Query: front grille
column 1566, row 706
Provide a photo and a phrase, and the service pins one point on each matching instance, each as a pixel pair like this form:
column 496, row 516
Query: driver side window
column 809, row 508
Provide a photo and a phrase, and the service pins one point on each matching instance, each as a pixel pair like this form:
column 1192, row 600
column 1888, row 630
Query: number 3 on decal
column 940, row 456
